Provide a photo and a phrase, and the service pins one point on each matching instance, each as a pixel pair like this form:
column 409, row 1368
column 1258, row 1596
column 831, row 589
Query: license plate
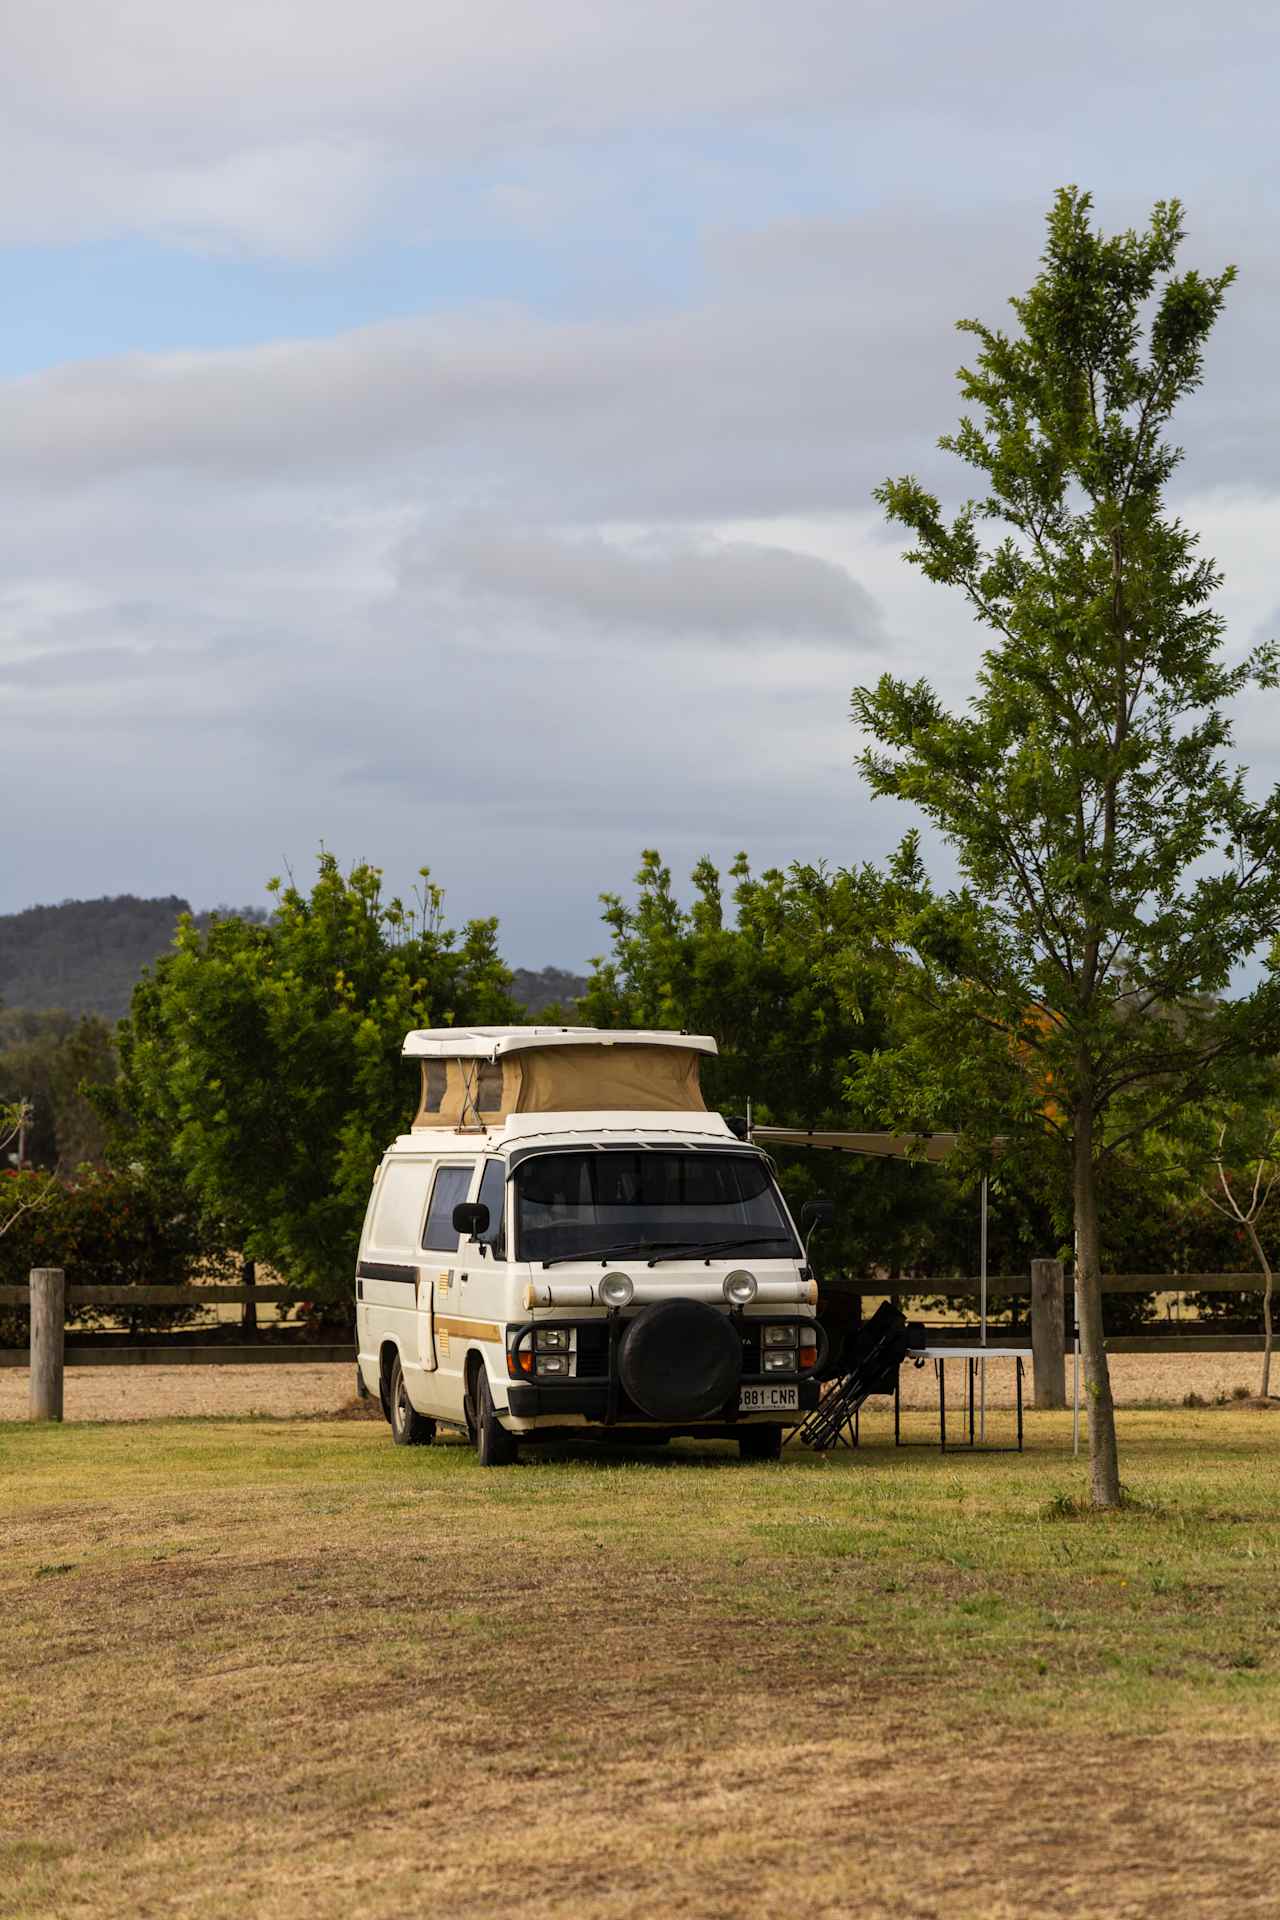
column 768, row 1399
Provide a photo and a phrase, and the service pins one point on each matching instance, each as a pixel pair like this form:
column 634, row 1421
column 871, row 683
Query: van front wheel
column 495, row 1447
column 409, row 1428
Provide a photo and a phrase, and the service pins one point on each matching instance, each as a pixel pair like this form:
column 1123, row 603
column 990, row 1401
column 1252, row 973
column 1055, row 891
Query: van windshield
column 579, row 1205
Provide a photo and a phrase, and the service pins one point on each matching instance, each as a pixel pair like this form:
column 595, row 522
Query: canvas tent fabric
column 614, row 1078
column 933, row 1147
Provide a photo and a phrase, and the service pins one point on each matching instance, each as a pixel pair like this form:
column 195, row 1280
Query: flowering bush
column 112, row 1229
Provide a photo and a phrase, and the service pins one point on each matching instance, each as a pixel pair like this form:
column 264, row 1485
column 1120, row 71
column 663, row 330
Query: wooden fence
column 1045, row 1334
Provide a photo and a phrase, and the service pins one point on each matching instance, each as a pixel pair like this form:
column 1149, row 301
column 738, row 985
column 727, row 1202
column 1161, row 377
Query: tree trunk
column 1104, row 1464
column 1265, row 1264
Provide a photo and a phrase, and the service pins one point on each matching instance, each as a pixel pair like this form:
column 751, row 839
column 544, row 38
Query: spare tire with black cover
column 680, row 1360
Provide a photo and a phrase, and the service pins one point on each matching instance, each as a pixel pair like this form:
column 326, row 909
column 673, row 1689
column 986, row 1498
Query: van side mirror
column 471, row 1218
column 816, row 1213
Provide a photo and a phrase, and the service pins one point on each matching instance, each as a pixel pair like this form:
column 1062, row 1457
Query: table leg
column 1019, row 1365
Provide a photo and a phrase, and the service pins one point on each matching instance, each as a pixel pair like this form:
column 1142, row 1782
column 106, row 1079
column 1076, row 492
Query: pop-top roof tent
column 476, row 1076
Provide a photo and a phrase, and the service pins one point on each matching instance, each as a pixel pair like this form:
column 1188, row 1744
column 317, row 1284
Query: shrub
column 112, row 1229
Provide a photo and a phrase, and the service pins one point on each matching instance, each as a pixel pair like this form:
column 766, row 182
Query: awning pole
column 982, row 1310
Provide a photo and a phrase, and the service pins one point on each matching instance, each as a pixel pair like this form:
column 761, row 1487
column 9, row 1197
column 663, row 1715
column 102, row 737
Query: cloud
column 286, row 130
column 672, row 587
column 817, row 358
column 84, row 667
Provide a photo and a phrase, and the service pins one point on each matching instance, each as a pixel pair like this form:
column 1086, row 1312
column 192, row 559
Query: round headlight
column 740, row 1287
column 617, row 1289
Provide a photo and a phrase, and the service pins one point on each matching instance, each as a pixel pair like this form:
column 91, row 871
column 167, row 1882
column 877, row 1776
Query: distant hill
column 552, row 986
column 85, row 956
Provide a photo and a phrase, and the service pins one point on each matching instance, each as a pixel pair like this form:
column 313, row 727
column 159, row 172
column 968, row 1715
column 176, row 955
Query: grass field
column 280, row 1668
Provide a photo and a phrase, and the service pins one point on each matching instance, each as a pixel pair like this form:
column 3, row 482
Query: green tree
column 1114, row 870
column 776, row 973
column 47, row 1059
column 260, row 1064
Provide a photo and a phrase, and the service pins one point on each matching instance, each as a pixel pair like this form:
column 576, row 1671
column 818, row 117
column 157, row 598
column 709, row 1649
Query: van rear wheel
column 760, row 1443
column 495, row 1447
column 409, row 1428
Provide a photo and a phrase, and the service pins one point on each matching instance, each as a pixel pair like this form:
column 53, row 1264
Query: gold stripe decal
column 467, row 1329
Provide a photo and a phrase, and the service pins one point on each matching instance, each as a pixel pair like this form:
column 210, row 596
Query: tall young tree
column 1115, row 869
column 1246, row 1214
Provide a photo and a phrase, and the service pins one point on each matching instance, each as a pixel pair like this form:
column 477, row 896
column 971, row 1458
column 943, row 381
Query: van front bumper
column 595, row 1392
column 596, row 1403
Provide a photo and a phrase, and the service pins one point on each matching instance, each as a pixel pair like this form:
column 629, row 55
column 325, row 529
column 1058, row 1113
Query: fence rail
column 296, row 1353
column 1000, row 1286
column 159, row 1296
column 1004, row 1286
column 53, row 1303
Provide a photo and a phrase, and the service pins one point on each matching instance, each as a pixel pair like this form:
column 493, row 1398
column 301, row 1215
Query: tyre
column 409, row 1428
column 760, row 1443
column 495, row 1447
column 680, row 1360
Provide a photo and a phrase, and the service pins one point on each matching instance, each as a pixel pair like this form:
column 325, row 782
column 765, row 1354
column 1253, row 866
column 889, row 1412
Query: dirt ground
column 283, row 1670
column 156, row 1393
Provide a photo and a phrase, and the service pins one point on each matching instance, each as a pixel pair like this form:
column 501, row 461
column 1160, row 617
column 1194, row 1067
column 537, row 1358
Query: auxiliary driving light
column 740, row 1287
column 617, row 1289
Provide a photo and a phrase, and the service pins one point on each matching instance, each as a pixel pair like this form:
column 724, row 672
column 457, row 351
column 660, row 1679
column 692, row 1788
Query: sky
column 446, row 432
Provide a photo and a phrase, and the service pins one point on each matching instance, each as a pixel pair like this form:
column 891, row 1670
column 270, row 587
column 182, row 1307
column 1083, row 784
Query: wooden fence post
column 249, row 1311
column 48, row 1337
column 1046, row 1334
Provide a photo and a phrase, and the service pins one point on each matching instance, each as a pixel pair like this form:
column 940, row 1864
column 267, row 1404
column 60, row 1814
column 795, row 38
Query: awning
column 871, row 1146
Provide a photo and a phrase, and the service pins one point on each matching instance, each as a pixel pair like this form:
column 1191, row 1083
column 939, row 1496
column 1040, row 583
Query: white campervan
column 567, row 1241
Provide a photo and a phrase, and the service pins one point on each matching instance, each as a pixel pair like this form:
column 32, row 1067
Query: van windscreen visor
column 584, row 1205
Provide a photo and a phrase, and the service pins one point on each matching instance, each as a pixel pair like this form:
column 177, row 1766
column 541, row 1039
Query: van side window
column 451, row 1186
column 493, row 1194
column 398, row 1207
column 489, row 1087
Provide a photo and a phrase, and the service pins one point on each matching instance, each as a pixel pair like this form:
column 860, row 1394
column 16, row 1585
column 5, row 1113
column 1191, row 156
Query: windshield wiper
column 608, row 1253
column 707, row 1248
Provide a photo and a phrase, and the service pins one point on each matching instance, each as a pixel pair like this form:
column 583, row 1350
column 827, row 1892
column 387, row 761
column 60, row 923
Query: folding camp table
column 975, row 1358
